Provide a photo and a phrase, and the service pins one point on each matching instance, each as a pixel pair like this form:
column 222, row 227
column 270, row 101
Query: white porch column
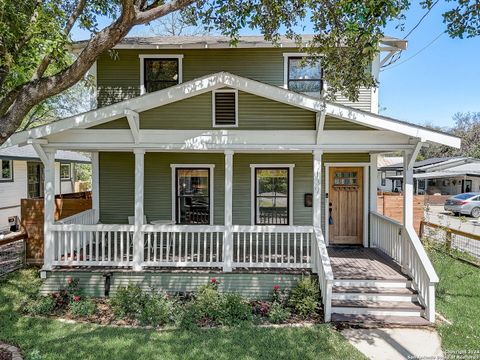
column 49, row 208
column 138, row 243
column 407, row 189
column 317, row 201
column 228, row 234
column 95, row 186
column 317, row 189
column 373, row 192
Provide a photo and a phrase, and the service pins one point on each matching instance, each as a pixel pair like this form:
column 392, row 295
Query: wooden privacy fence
column 391, row 206
column 465, row 245
column 32, row 211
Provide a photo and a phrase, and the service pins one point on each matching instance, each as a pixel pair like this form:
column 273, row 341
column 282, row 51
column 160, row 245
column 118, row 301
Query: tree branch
column 68, row 27
column 150, row 13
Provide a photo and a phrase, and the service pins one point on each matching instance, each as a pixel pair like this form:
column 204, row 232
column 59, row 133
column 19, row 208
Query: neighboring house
column 444, row 176
column 385, row 172
column 22, row 177
column 226, row 159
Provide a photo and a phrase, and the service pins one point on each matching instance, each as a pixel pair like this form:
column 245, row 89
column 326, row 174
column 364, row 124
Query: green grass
column 458, row 300
column 45, row 338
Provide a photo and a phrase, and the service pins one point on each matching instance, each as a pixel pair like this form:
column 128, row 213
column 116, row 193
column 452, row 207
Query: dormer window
column 158, row 72
column 302, row 75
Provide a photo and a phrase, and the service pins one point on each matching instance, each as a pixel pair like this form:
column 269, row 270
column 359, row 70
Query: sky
column 430, row 82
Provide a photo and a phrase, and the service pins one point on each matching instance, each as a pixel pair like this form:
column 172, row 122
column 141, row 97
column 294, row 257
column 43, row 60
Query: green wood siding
column 195, row 113
column 117, row 183
column 158, row 182
column 332, row 123
column 254, row 286
column 302, row 183
column 118, row 73
column 117, row 187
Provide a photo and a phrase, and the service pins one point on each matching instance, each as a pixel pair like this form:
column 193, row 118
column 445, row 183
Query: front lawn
column 47, row 338
column 458, row 300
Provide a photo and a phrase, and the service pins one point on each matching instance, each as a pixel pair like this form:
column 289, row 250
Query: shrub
column 261, row 308
column 304, row 297
column 278, row 314
column 234, row 310
column 278, row 295
column 42, row 306
column 208, row 302
column 128, row 301
column 155, row 311
column 82, row 307
column 187, row 316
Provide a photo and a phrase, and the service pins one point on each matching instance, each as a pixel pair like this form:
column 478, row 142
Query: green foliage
column 304, row 297
column 234, row 310
column 128, row 301
column 148, row 308
column 82, row 308
column 278, row 313
column 43, row 305
column 155, row 311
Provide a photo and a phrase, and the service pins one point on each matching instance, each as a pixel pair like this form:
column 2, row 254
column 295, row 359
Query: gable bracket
column 320, row 123
column 416, row 151
column 134, row 123
column 40, row 152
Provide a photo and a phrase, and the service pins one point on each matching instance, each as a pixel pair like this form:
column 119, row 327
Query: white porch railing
column 404, row 246
column 272, row 246
column 86, row 217
column 322, row 267
column 92, row 245
column 183, row 245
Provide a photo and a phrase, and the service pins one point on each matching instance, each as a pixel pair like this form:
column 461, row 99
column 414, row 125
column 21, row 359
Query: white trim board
column 142, row 57
column 366, row 181
column 217, row 81
column 290, row 190
column 211, row 168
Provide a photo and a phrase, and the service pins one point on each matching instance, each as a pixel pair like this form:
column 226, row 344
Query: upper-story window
column 159, row 72
column 6, row 170
column 302, row 75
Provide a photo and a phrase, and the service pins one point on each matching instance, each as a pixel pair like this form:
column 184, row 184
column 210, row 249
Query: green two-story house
column 212, row 160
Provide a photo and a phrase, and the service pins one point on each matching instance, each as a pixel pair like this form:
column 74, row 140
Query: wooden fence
column 33, row 219
column 391, row 206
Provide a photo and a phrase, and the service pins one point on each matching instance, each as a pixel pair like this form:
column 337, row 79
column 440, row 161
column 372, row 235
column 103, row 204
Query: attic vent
column 225, row 108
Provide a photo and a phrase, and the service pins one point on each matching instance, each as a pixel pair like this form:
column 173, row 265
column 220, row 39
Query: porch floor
column 358, row 263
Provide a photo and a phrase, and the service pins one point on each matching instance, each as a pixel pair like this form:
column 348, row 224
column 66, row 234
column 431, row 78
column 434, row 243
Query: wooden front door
column 345, row 210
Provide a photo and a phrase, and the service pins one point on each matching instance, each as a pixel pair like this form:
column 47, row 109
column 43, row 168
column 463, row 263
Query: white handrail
column 86, row 217
column 403, row 245
column 321, row 265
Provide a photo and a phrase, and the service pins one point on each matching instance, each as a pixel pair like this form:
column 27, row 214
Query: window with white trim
column 65, row 171
column 158, row 72
column 303, row 75
column 225, row 108
column 6, row 173
column 193, row 194
column 272, row 194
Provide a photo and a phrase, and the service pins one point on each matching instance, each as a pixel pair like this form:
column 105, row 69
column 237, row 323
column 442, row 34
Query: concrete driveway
column 437, row 215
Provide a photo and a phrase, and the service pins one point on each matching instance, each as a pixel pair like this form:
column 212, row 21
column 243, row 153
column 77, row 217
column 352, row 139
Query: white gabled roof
column 218, row 80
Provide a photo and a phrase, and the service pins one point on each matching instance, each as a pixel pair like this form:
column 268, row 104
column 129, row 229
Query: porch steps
column 370, row 302
column 380, row 320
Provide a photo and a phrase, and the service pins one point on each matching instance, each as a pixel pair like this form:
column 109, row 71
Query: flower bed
column 205, row 308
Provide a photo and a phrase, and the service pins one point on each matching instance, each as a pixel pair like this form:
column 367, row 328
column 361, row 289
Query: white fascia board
column 380, row 122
